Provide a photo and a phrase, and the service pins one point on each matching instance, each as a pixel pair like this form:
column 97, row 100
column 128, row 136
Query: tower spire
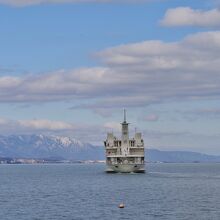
column 124, row 115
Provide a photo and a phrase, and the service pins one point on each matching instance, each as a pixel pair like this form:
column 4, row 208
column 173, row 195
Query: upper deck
column 124, row 146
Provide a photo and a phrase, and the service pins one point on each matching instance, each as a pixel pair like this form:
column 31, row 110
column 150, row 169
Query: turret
column 110, row 139
column 138, row 139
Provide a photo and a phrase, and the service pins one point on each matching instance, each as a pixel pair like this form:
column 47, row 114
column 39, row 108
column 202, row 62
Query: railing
column 129, row 163
column 137, row 146
column 130, row 155
column 111, row 147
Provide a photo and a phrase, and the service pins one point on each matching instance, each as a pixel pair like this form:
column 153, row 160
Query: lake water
column 71, row 192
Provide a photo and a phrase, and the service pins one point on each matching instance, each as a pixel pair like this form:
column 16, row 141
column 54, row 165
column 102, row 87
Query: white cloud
column 20, row 3
column 159, row 71
column 115, row 126
column 7, row 82
column 185, row 16
column 35, row 125
column 132, row 75
column 46, row 125
column 150, row 117
column 103, row 112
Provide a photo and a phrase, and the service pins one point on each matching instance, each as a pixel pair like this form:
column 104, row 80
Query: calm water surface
column 58, row 192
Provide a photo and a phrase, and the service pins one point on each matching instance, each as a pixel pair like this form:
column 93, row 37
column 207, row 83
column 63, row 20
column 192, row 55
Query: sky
column 70, row 67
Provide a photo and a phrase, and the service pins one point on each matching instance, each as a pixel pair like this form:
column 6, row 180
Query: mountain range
column 60, row 148
column 48, row 147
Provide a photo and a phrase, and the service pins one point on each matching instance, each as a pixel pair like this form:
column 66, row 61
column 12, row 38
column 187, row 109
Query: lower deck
column 125, row 160
column 126, row 168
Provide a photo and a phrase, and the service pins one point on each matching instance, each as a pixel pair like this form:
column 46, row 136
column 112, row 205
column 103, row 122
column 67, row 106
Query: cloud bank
column 185, row 16
column 131, row 75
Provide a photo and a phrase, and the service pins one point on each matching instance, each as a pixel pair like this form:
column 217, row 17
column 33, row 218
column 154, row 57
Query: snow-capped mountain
column 42, row 146
column 56, row 147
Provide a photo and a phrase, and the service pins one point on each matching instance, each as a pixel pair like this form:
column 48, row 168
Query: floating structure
column 121, row 205
column 124, row 155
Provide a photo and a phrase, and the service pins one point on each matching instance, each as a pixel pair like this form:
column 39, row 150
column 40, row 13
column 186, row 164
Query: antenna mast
column 124, row 115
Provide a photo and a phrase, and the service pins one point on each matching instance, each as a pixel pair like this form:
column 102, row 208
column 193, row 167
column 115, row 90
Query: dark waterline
column 79, row 191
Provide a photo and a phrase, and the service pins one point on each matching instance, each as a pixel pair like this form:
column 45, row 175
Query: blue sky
column 70, row 67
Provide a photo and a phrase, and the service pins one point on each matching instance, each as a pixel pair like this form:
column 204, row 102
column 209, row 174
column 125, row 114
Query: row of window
column 118, row 143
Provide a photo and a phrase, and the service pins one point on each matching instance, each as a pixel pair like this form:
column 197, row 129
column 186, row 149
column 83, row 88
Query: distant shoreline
column 46, row 161
column 17, row 161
